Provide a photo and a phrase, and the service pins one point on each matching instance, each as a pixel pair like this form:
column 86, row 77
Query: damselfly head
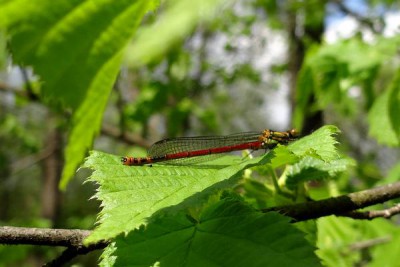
column 293, row 133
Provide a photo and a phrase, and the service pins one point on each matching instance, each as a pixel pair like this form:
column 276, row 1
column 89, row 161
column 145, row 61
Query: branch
column 42, row 236
column 72, row 239
column 72, row 252
column 372, row 214
column 339, row 205
column 131, row 139
column 370, row 243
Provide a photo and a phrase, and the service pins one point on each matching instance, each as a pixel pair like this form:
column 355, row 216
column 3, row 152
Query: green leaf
column 131, row 195
column 68, row 42
column 177, row 21
column 330, row 71
column 384, row 116
column 76, row 49
column 86, row 121
column 320, row 144
column 310, row 168
column 283, row 156
column 227, row 233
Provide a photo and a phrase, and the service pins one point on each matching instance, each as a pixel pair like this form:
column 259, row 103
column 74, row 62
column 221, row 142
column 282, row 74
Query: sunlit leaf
column 319, row 144
column 131, row 195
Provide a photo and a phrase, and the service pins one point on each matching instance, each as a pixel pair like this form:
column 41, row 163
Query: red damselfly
column 171, row 149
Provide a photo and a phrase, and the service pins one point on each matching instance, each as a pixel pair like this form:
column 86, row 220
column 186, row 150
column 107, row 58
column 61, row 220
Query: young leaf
column 227, row 233
column 283, row 156
column 320, row 144
column 131, row 195
column 310, row 168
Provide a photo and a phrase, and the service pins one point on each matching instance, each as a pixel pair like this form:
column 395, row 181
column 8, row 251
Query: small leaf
column 310, row 168
column 228, row 233
column 320, row 144
column 131, row 195
column 283, row 156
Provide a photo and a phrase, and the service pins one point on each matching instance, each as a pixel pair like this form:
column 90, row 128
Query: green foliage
column 346, row 242
column 76, row 48
column 184, row 219
column 384, row 115
column 175, row 215
column 331, row 71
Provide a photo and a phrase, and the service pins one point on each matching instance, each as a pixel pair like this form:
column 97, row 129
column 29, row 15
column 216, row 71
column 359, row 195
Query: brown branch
column 11, row 235
column 72, row 239
column 72, row 252
column 339, row 205
column 131, row 139
column 372, row 214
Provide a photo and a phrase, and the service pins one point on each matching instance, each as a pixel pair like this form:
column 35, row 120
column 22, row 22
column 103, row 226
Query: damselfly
column 188, row 147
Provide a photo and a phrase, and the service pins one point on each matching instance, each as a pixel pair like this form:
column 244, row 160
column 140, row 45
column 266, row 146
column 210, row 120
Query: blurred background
column 258, row 64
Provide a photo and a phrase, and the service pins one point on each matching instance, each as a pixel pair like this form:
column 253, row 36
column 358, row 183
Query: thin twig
column 131, row 139
column 372, row 214
column 369, row 243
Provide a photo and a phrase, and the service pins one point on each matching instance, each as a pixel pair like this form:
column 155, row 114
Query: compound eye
column 294, row 133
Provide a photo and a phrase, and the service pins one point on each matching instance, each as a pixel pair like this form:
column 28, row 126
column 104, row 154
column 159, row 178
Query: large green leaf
column 227, row 233
column 68, row 42
column 75, row 47
column 131, row 195
column 319, row 144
